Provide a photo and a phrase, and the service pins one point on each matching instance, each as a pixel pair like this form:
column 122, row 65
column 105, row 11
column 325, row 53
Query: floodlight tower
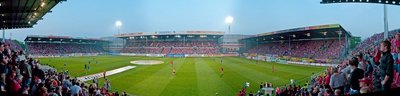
column 229, row 21
column 118, row 24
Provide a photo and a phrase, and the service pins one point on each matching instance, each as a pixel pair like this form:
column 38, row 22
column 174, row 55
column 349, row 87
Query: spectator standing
column 356, row 74
column 3, row 66
column 327, row 78
column 27, row 73
column 338, row 81
column 76, row 90
column 21, row 56
column 361, row 64
column 386, row 65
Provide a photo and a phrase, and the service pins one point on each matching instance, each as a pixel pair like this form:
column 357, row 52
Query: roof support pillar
column 385, row 21
column 290, row 47
column 4, row 33
column 346, row 39
column 340, row 44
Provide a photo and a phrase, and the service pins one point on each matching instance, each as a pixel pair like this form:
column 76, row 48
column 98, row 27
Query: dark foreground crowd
column 23, row 76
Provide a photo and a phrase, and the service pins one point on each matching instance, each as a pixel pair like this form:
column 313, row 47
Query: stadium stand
column 173, row 47
column 313, row 44
column 53, row 49
column 372, row 42
column 61, row 45
column 185, row 42
column 318, row 49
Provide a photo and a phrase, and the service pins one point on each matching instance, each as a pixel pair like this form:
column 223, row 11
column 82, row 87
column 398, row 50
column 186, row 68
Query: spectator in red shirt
column 14, row 84
column 377, row 56
column 327, row 78
column 320, row 80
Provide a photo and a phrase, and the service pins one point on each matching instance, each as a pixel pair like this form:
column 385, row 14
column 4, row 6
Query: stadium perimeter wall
column 260, row 58
column 131, row 54
column 282, row 61
column 66, row 55
column 178, row 55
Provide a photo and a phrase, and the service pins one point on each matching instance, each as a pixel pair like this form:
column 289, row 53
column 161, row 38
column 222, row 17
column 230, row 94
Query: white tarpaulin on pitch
column 108, row 73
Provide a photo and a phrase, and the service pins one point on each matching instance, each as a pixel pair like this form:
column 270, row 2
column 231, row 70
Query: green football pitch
column 194, row 76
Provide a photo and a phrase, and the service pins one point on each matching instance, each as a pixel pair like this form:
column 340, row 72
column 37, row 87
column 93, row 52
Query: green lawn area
column 195, row 76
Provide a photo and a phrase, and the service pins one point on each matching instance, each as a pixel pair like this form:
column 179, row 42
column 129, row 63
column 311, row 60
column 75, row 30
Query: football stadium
column 284, row 55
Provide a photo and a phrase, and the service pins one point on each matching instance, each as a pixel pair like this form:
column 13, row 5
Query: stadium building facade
column 115, row 44
column 230, row 43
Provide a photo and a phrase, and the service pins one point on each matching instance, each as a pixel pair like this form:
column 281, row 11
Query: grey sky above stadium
column 96, row 18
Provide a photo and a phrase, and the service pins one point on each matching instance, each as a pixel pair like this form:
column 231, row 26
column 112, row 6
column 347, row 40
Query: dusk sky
column 96, row 18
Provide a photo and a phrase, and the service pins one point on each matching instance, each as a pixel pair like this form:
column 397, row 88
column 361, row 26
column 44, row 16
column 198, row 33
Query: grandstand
column 322, row 43
column 63, row 45
column 172, row 42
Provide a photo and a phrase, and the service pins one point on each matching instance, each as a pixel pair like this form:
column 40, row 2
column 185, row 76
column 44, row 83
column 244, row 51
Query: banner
column 175, row 55
column 283, row 61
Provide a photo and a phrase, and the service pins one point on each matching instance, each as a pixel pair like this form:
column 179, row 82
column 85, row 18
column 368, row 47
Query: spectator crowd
column 173, row 47
column 21, row 75
column 62, row 48
column 315, row 49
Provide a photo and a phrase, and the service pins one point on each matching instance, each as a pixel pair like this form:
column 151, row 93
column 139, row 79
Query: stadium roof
column 391, row 2
column 311, row 32
column 126, row 35
column 24, row 13
column 36, row 38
